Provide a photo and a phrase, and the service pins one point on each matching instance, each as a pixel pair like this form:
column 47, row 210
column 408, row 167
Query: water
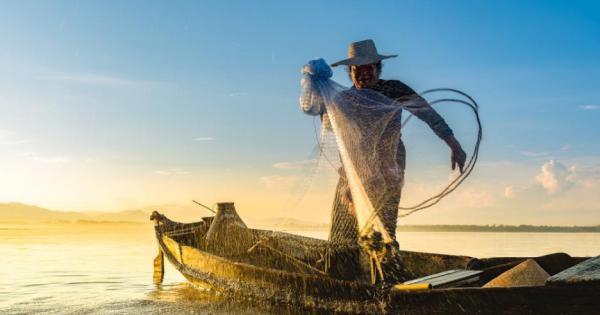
column 107, row 268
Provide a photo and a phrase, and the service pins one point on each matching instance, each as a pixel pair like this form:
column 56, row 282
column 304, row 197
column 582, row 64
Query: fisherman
column 364, row 67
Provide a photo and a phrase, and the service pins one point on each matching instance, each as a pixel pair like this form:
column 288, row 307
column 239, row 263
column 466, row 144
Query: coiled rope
column 433, row 200
column 450, row 187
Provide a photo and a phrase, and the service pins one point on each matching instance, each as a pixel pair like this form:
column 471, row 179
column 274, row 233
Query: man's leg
column 343, row 237
column 393, row 268
column 389, row 211
column 344, row 228
column 393, row 191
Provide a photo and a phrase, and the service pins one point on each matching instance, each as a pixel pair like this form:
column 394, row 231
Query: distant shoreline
column 27, row 215
column 499, row 228
column 325, row 227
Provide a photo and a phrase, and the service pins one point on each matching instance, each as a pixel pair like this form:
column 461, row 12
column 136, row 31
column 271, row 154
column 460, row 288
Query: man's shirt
column 417, row 105
column 402, row 94
column 367, row 117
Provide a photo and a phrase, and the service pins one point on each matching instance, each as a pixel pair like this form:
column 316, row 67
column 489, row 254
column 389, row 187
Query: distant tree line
column 498, row 228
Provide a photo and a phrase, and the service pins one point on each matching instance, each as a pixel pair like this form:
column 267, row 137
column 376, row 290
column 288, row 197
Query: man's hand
column 458, row 156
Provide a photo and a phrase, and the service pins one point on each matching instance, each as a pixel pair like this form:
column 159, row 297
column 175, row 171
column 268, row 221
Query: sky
column 112, row 105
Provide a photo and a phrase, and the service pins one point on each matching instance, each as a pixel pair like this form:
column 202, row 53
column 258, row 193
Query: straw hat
column 362, row 53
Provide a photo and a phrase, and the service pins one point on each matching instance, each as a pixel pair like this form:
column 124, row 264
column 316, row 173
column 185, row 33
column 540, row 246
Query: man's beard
column 364, row 82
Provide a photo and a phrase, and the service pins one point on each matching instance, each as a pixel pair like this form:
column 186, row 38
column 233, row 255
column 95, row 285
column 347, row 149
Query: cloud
column 204, row 139
column 277, row 181
column 509, row 192
column 590, row 107
column 534, row 153
column 10, row 138
column 565, row 147
column 171, row 172
column 44, row 159
column 50, row 159
column 15, row 142
column 91, row 79
column 293, row 165
column 555, row 177
column 476, row 198
column 234, row 94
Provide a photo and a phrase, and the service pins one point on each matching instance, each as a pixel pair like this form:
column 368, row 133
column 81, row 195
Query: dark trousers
column 344, row 227
column 347, row 261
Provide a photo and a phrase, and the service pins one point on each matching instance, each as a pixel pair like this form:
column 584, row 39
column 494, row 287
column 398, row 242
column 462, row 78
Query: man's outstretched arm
column 419, row 107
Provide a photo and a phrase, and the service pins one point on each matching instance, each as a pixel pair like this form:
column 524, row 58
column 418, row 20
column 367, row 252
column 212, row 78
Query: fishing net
column 365, row 127
column 367, row 136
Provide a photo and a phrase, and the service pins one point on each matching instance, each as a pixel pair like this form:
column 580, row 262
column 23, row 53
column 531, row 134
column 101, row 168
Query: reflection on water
column 190, row 299
column 95, row 269
column 180, row 298
column 102, row 268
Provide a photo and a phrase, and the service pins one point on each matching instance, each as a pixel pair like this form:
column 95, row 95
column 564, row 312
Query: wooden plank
column 448, row 278
column 587, row 272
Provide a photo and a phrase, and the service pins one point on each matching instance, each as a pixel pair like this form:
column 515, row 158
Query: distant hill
column 18, row 212
column 128, row 216
column 179, row 213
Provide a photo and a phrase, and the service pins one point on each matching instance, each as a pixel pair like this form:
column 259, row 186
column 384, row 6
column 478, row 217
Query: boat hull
column 307, row 289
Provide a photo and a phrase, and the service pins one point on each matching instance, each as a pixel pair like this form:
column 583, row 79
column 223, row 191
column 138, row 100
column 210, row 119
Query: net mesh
column 365, row 127
column 366, row 130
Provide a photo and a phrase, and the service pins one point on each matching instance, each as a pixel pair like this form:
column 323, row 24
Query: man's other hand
column 458, row 157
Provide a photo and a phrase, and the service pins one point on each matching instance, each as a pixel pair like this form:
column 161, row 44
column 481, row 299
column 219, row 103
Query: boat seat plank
column 450, row 278
column 587, row 272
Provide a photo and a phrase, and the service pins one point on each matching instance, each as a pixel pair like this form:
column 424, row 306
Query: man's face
column 364, row 76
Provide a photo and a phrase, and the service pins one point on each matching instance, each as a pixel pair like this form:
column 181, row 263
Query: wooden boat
column 287, row 269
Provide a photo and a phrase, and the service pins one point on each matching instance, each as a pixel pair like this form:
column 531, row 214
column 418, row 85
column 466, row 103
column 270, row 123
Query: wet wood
column 587, row 272
column 520, row 300
column 423, row 264
column 262, row 275
column 159, row 268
